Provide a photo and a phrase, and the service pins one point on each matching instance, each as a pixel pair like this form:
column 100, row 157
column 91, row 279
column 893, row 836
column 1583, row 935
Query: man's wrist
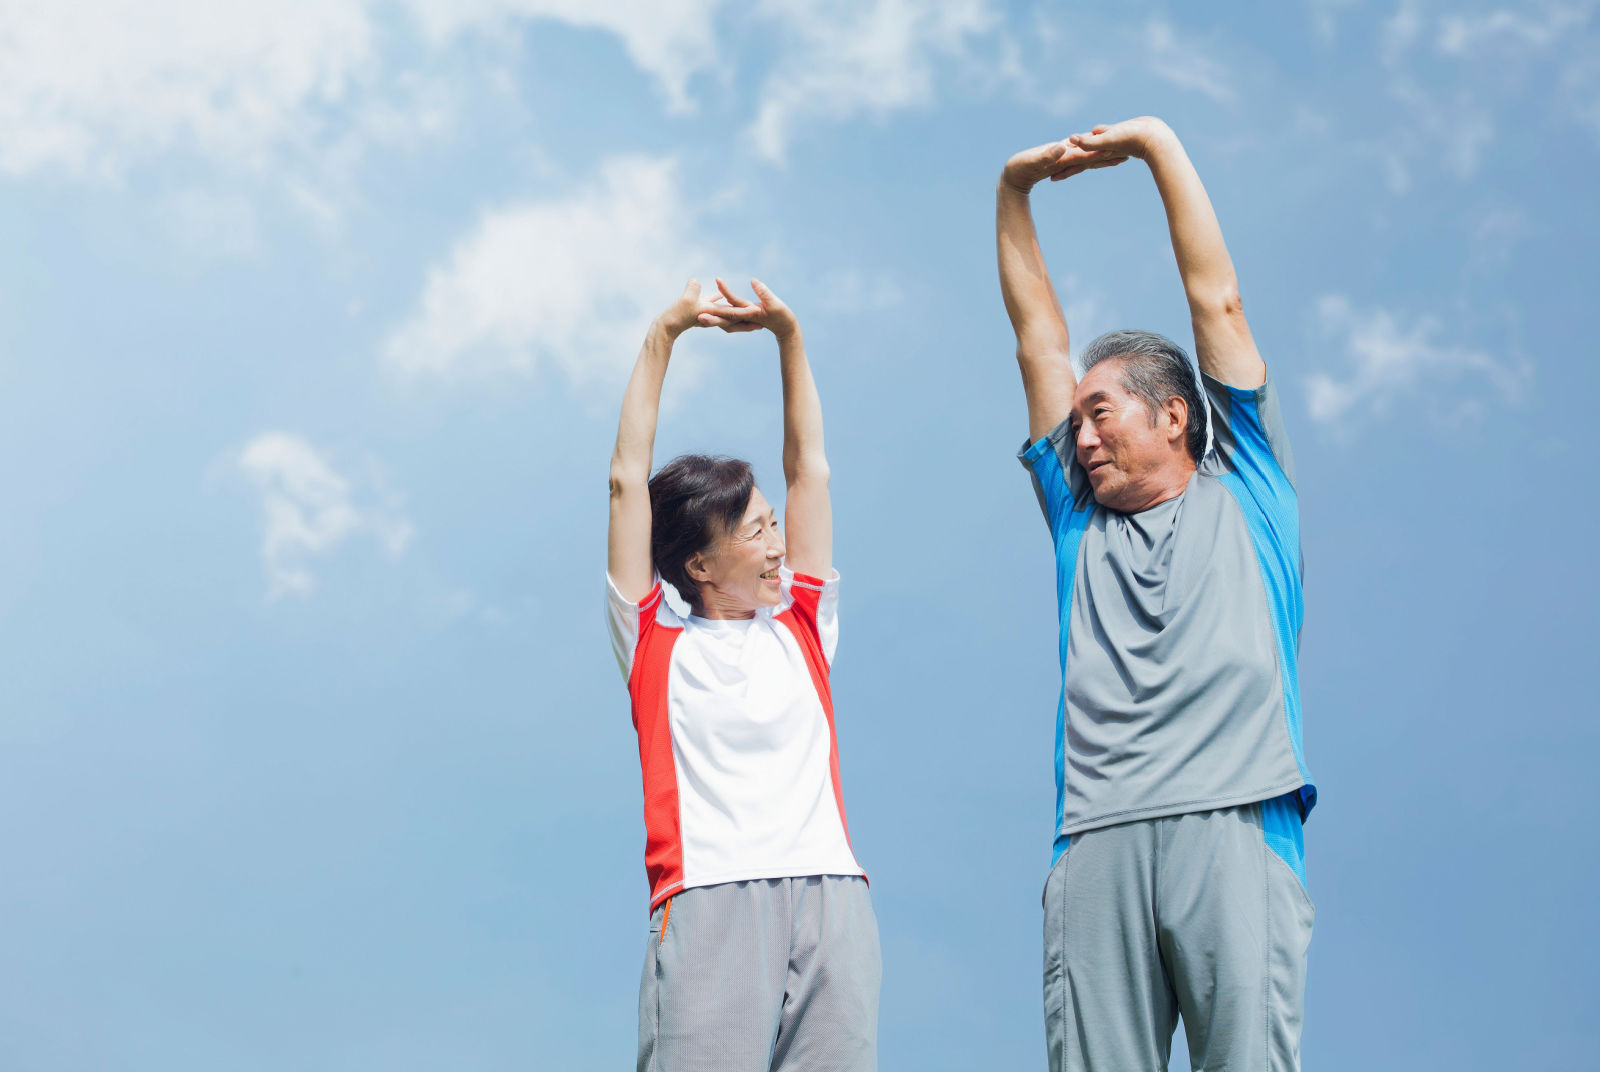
column 1159, row 142
column 1008, row 187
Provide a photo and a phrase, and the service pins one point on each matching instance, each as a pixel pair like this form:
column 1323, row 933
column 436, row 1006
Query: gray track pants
column 1189, row 913
column 762, row 975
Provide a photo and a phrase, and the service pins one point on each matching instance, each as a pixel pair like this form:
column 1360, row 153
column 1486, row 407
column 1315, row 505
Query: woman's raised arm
column 628, row 540
column 808, row 506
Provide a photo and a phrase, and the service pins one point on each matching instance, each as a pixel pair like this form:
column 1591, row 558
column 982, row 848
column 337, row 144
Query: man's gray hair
column 1155, row 369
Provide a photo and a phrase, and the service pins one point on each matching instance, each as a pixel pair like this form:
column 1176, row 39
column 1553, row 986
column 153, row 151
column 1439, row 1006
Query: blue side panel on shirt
column 1066, row 525
column 1281, row 829
column 1271, row 511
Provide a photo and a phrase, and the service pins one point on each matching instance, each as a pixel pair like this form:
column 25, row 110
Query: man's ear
column 1177, row 419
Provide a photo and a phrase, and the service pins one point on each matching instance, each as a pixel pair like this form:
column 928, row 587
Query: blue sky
column 315, row 321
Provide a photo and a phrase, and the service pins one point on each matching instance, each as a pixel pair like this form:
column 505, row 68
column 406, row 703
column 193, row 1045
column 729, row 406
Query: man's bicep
column 1048, row 384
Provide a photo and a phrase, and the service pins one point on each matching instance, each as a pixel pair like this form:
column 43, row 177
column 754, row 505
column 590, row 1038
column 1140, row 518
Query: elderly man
column 1178, row 879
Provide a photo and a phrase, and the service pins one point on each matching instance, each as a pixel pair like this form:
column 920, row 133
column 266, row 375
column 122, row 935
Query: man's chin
column 1109, row 493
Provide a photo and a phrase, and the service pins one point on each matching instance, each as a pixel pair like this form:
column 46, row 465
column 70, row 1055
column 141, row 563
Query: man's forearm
column 1203, row 261
column 1025, row 285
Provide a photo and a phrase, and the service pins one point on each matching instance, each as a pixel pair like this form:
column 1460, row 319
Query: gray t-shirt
column 1179, row 629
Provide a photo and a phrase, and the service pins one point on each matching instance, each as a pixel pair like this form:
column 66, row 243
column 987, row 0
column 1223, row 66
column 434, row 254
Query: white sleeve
column 622, row 621
column 816, row 603
column 828, row 616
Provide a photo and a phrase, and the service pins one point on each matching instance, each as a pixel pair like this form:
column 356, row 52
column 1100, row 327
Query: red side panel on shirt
column 647, row 686
column 801, row 618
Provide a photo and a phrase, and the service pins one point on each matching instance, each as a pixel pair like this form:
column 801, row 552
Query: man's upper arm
column 1048, row 383
column 1223, row 345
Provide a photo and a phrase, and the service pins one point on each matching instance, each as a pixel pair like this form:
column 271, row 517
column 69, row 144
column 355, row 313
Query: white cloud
column 307, row 510
column 1389, row 356
column 1450, row 130
column 1490, row 54
column 1185, row 63
column 86, row 86
column 92, row 88
column 212, row 224
column 1087, row 310
column 1400, row 31
column 1325, row 16
column 1502, row 29
column 570, row 281
column 844, row 58
column 672, row 40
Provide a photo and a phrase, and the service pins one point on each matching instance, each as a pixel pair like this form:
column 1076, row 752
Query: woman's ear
column 695, row 567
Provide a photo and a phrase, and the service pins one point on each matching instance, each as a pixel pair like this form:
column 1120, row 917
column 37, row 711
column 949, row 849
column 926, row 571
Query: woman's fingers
column 742, row 312
column 764, row 292
column 732, row 298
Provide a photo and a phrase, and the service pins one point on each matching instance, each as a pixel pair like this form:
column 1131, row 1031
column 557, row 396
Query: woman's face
column 738, row 575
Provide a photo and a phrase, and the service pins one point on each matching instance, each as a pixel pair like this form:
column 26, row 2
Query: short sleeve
column 815, row 603
column 1250, row 439
column 1060, row 485
column 623, row 622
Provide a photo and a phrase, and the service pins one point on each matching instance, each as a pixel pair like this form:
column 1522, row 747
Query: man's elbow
column 1216, row 303
column 1044, row 356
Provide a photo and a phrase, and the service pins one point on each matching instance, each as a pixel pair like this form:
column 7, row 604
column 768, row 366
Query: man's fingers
column 1067, row 173
column 733, row 299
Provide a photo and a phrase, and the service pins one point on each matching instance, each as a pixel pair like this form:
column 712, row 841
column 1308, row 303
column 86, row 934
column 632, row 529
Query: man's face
column 739, row 575
column 1131, row 465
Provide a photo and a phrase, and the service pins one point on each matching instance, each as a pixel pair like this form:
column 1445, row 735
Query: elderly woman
column 763, row 948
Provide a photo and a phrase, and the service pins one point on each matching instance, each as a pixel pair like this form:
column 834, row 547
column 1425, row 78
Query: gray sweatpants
column 762, row 975
column 1189, row 913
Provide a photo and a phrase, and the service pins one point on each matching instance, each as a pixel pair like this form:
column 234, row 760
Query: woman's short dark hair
column 694, row 500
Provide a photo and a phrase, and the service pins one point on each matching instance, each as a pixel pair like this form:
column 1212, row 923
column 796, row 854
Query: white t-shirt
column 736, row 741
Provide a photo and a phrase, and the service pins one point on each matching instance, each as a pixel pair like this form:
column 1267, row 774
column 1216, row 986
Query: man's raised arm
column 1222, row 340
column 1042, row 343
